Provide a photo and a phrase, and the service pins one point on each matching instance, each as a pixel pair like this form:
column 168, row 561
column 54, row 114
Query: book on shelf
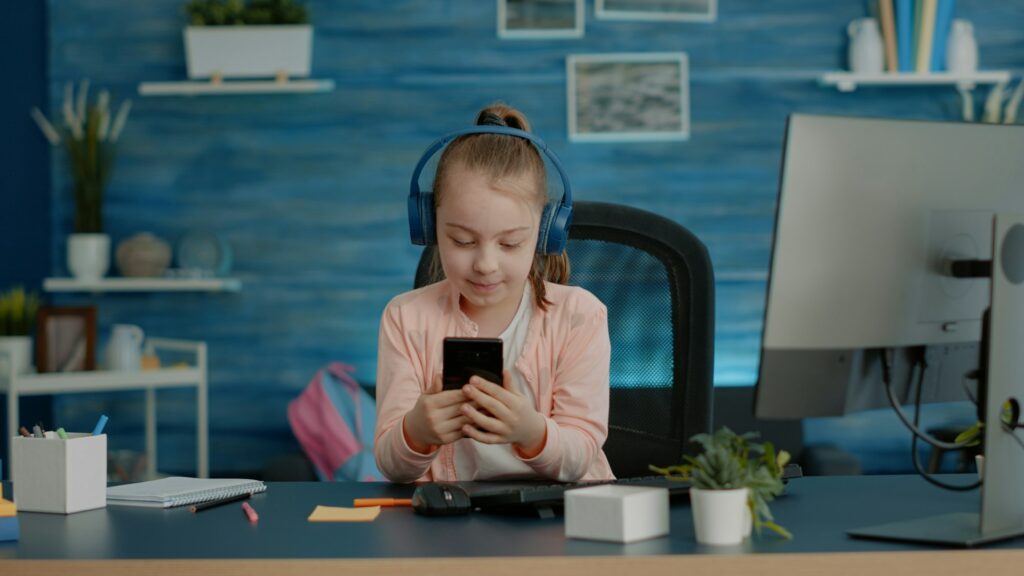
column 887, row 15
column 943, row 21
column 923, row 62
column 180, row 491
column 904, row 34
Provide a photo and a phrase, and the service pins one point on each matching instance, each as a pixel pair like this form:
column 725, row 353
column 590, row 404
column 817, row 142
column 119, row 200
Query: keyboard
column 512, row 495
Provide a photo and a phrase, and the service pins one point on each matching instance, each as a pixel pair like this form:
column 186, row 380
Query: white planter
column 720, row 517
column 248, row 51
column 88, row 256
column 15, row 354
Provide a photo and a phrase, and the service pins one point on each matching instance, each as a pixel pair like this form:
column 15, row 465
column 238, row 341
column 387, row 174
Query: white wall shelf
column 225, row 87
column 14, row 386
column 848, row 81
column 143, row 285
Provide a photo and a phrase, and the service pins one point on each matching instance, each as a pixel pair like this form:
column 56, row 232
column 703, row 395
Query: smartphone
column 466, row 357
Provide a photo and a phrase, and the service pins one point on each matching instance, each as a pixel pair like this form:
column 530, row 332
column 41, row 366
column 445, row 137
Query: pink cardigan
column 565, row 361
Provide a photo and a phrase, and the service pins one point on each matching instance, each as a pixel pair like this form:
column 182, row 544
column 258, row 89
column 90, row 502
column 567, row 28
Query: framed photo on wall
column 678, row 10
column 530, row 19
column 628, row 97
column 66, row 339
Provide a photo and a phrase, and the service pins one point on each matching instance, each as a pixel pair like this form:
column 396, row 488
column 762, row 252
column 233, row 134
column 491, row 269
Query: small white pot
column 88, row 256
column 248, row 51
column 15, row 354
column 720, row 517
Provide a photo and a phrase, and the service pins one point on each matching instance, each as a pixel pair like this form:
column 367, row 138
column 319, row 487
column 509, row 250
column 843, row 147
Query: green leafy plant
column 975, row 434
column 239, row 13
column 17, row 312
column 89, row 135
column 730, row 461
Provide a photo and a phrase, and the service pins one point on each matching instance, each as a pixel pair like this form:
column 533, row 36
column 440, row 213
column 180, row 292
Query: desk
column 818, row 510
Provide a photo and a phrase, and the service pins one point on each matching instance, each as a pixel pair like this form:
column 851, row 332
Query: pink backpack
column 334, row 419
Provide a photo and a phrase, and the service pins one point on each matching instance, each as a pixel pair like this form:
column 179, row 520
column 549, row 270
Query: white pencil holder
column 61, row 476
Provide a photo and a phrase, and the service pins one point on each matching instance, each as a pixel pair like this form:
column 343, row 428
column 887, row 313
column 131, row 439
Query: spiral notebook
column 180, row 491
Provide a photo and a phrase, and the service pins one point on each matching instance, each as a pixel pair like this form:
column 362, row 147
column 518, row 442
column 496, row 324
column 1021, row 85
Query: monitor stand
column 1002, row 505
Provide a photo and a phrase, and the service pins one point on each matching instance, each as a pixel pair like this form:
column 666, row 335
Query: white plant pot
column 15, row 355
column 248, row 51
column 88, row 256
column 720, row 517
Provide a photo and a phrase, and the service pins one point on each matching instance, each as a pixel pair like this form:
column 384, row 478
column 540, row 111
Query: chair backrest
column 656, row 279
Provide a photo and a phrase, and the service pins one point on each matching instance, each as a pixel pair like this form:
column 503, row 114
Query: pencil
column 222, row 501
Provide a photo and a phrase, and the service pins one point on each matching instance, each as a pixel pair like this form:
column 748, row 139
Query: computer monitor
column 871, row 215
column 869, row 212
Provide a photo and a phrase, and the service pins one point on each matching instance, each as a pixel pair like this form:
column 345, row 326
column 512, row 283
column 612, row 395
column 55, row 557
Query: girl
column 548, row 418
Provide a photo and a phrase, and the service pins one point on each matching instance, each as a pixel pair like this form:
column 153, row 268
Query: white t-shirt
column 476, row 460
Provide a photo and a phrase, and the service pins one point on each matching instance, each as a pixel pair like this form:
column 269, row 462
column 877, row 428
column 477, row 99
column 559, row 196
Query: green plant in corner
column 239, row 13
column 729, row 461
column 18, row 312
column 89, row 135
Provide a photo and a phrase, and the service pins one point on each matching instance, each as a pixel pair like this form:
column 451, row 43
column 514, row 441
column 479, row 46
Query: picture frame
column 671, row 10
column 66, row 339
column 540, row 19
column 628, row 97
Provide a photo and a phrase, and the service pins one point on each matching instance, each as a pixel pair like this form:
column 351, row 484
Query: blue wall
column 310, row 189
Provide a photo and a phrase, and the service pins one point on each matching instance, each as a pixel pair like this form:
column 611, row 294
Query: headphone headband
column 555, row 219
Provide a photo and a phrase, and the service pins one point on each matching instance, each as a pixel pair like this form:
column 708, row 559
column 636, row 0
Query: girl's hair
column 500, row 156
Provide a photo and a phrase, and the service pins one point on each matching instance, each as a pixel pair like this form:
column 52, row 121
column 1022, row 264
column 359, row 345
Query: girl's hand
column 499, row 415
column 435, row 419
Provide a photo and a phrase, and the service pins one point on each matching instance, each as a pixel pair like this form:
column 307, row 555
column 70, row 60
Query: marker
column 99, row 425
column 62, row 434
column 24, row 432
column 250, row 513
column 386, row 502
column 221, row 502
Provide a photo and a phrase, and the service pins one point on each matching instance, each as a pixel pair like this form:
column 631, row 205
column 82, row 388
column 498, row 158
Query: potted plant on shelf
column 255, row 39
column 733, row 480
column 17, row 316
column 89, row 135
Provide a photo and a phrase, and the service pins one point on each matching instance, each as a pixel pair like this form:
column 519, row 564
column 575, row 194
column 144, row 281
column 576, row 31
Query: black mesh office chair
column 656, row 279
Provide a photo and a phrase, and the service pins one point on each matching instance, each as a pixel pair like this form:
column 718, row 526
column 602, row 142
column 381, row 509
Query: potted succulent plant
column 17, row 317
column 254, row 39
column 732, row 481
column 89, row 135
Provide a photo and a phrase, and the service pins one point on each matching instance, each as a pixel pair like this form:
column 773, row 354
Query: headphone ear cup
column 554, row 228
column 427, row 218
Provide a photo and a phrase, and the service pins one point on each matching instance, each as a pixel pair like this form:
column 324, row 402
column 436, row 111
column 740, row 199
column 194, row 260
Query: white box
column 616, row 513
column 62, row 476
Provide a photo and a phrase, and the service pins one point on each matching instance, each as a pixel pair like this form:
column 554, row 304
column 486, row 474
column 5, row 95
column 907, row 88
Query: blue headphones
column 554, row 221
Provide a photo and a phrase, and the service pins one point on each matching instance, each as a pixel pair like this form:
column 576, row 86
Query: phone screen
column 466, row 357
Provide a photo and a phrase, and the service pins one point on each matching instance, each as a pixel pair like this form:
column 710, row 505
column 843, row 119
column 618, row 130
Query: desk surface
column 818, row 510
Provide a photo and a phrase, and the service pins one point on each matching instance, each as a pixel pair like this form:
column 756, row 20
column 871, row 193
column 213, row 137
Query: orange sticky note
column 339, row 514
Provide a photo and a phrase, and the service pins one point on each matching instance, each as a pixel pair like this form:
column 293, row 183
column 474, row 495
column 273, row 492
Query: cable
column 923, row 365
column 887, row 380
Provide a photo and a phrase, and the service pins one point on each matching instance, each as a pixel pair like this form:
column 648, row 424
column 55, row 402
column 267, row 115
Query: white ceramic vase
column 15, row 355
column 720, row 517
column 88, row 256
column 961, row 48
column 866, row 53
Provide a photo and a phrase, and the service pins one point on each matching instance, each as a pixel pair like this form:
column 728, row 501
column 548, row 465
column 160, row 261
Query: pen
column 99, row 425
column 62, row 434
column 367, row 502
column 250, row 513
column 221, row 502
column 24, row 432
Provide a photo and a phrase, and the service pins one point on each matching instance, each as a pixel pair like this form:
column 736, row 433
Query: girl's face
column 486, row 237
